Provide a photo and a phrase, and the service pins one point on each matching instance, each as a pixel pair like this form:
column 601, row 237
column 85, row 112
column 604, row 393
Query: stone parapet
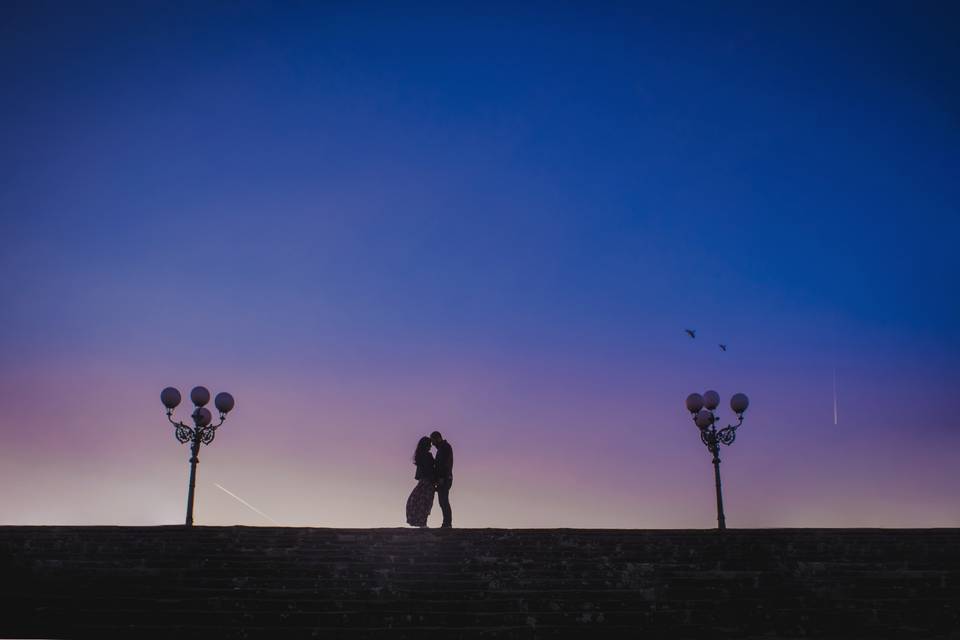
column 252, row 582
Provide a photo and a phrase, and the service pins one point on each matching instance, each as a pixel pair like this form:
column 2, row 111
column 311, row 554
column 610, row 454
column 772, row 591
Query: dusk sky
column 368, row 221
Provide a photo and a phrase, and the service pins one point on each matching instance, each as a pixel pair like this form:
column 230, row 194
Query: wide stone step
column 716, row 617
column 160, row 582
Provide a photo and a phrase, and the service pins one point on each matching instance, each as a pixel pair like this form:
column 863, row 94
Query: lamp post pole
column 701, row 409
column 721, row 519
column 202, row 432
column 194, row 459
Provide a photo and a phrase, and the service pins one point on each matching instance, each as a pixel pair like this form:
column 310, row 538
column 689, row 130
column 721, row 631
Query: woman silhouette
column 420, row 502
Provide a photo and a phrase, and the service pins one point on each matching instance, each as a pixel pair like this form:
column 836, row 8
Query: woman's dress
column 420, row 502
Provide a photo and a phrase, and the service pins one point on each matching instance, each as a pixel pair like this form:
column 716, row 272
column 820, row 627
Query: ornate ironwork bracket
column 713, row 437
column 185, row 433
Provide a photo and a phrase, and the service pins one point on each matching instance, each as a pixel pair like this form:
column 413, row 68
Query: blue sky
column 543, row 195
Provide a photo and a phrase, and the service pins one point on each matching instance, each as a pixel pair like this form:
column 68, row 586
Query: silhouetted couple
column 435, row 475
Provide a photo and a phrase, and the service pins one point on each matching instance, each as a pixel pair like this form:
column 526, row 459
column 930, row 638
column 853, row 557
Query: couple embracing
column 434, row 475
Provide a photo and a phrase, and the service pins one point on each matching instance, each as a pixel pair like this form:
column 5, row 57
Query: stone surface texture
column 252, row 582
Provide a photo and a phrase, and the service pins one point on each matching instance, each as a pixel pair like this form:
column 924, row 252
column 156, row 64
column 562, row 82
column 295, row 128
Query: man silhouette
column 444, row 476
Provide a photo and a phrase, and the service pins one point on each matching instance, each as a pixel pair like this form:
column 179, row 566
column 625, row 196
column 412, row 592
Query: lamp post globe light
column 701, row 408
column 202, row 432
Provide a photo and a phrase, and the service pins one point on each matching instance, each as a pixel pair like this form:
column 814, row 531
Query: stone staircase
column 250, row 582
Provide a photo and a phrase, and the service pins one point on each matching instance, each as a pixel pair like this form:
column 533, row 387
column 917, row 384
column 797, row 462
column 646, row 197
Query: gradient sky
column 368, row 221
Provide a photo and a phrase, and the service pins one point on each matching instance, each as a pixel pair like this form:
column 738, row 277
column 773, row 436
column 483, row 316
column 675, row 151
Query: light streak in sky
column 834, row 395
column 246, row 504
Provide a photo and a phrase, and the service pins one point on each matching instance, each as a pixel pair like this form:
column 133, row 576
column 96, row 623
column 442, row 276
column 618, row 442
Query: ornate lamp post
column 202, row 432
column 701, row 410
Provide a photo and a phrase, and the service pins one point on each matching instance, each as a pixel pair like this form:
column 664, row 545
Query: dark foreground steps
column 248, row 582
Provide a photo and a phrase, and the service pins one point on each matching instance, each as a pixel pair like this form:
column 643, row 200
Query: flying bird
column 723, row 347
column 691, row 332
